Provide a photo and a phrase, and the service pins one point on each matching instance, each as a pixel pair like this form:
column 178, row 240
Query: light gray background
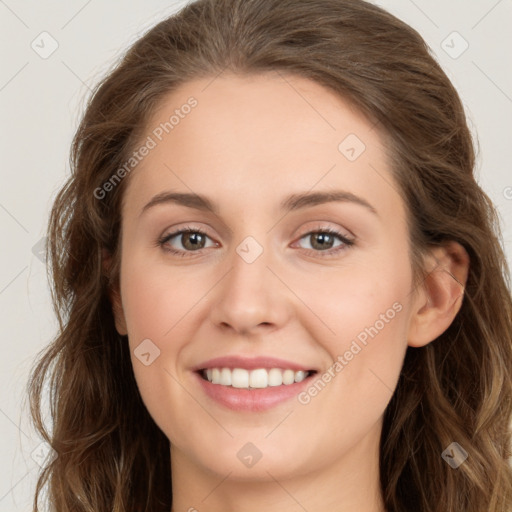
column 41, row 100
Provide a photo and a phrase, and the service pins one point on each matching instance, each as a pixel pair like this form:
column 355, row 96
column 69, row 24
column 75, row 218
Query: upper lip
column 250, row 363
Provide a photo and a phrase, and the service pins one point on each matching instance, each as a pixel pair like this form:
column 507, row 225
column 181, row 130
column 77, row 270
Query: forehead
column 280, row 111
column 257, row 137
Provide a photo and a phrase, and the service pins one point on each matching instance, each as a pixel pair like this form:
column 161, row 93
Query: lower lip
column 254, row 400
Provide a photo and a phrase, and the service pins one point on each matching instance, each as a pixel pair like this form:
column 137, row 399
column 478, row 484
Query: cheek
column 365, row 300
column 156, row 298
column 156, row 314
column 160, row 306
column 351, row 395
column 367, row 310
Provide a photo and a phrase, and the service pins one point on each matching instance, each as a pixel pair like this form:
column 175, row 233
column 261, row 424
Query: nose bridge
column 249, row 294
column 249, row 274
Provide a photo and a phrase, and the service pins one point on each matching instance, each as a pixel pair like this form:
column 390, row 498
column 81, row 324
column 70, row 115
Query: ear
column 440, row 296
column 114, row 295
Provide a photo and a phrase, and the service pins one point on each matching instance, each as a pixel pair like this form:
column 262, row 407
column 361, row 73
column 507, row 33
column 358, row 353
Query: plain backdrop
column 52, row 54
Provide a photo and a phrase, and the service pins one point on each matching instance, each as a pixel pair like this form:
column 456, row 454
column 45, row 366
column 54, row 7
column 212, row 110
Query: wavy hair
column 111, row 456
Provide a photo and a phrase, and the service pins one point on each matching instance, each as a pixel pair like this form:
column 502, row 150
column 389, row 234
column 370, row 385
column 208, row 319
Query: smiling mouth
column 259, row 378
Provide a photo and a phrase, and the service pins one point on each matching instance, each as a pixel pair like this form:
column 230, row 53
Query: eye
column 191, row 239
column 194, row 240
column 322, row 240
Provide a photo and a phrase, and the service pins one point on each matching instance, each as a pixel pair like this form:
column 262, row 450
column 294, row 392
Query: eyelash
column 347, row 243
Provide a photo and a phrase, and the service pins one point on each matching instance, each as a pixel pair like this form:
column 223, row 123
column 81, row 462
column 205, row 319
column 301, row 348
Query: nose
column 251, row 299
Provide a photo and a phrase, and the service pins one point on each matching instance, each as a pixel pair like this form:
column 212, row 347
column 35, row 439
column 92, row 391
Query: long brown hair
column 111, row 456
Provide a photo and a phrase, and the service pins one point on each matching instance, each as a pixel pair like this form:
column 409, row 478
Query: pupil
column 324, row 240
column 193, row 238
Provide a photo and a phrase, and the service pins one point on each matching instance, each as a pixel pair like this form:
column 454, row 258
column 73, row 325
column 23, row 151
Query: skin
column 250, row 142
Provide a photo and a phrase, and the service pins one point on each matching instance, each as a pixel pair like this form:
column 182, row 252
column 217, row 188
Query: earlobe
column 442, row 294
column 114, row 296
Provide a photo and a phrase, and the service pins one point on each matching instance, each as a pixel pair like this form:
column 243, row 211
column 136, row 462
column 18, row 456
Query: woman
column 278, row 283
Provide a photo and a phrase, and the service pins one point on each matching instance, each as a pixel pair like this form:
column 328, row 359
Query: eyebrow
column 291, row 203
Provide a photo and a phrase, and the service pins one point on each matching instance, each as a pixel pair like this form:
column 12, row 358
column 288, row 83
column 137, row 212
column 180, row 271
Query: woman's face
column 253, row 282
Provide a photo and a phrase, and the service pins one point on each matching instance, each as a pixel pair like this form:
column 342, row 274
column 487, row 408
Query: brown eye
column 322, row 241
column 191, row 240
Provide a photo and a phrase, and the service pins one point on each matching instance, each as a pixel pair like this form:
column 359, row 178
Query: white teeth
column 258, row 378
column 288, row 377
column 275, row 377
column 300, row 376
column 225, row 377
column 239, row 377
